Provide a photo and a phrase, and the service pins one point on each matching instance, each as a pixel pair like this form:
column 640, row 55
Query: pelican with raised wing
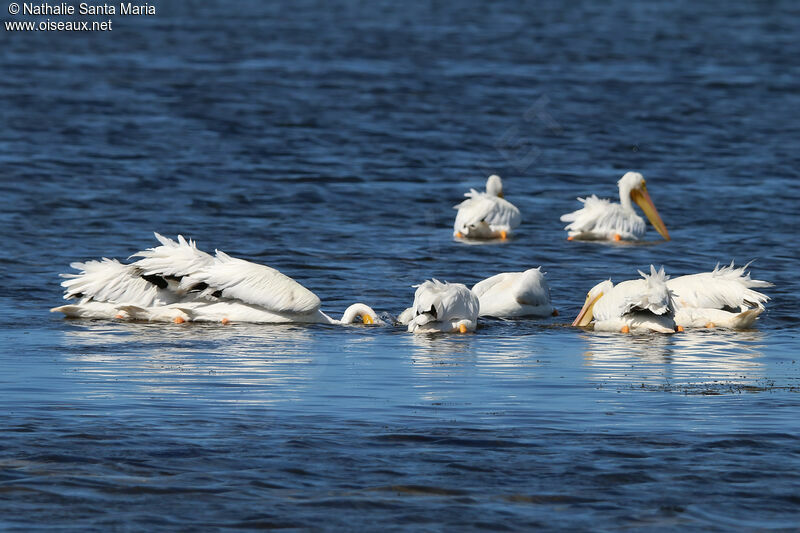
column 601, row 219
column 441, row 308
column 178, row 282
column 633, row 306
column 514, row 294
column 486, row 215
column 721, row 298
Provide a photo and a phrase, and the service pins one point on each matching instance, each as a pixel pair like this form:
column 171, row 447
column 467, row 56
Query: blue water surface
column 330, row 140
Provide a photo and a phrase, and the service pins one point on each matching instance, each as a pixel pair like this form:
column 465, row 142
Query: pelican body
column 633, row 306
column 178, row 282
column 515, row 294
column 442, row 308
column 722, row 298
column 601, row 219
column 486, row 215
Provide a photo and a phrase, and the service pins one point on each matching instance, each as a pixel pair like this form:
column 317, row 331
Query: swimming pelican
column 441, row 307
column 178, row 282
column 723, row 298
column 638, row 305
column 486, row 215
column 513, row 294
column 603, row 220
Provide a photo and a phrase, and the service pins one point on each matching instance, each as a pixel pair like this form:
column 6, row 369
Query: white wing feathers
column 647, row 294
column 108, row 280
column 480, row 207
column 533, row 288
column 226, row 277
column 728, row 286
column 656, row 296
column 527, row 288
column 474, row 209
column 165, row 274
column 442, row 302
column 602, row 216
column 172, row 258
column 587, row 217
column 255, row 284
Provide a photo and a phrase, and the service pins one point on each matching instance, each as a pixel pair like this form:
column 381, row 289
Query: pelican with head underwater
column 601, row 219
column 179, row 283
column 441, row 307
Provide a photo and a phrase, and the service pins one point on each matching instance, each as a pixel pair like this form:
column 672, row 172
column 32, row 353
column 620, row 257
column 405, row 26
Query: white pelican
column 723, row 298
column 177, row 282
column 486, row 215
column 638, row 305
column 513, row 294
column 603, row 220
column 441, row 307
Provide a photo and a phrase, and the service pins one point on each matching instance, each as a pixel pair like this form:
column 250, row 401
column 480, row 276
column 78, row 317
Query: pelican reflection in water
column 242, row 363
column 694, row 358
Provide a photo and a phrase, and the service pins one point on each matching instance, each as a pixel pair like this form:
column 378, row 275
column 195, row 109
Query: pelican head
column 360, row 313
column 494, row 186
column 586, row 315
column 632, row 186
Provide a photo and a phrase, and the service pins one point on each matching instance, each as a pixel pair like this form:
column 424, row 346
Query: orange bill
column 642, row 199
column 586, row 315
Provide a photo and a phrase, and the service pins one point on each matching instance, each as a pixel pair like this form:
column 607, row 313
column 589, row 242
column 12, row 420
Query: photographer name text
column 123, row 8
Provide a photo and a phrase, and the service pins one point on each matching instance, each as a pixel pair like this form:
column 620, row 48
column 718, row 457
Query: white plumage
column 254, row 284
column 441, row 307
column 723, row 297
column 601, row 219
column 486, row 215
column 172, row 258
column 513, row 294
column 631, row 306
column 108, row 280
column 176, row 281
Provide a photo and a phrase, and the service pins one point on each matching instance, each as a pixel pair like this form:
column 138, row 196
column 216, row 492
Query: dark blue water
column 330, row 140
